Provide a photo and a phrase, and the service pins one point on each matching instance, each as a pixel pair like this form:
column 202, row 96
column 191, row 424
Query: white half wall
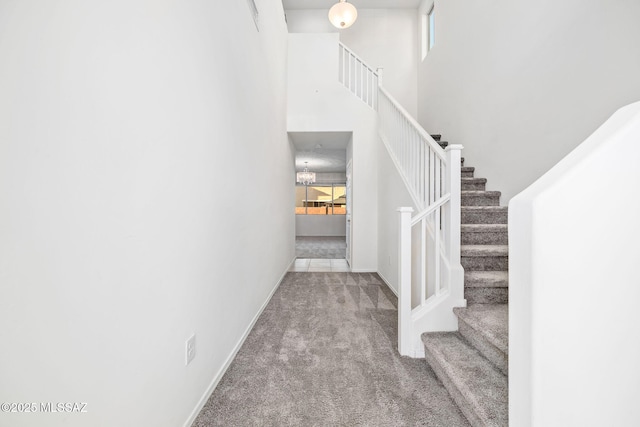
column 521, row 84
column 386, row 38
column 317, row 102
column 574, row 323
column 122, row 234
column 321, row 225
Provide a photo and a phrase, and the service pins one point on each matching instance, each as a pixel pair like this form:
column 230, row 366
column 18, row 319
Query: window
column 428, row 26
column 328, row 199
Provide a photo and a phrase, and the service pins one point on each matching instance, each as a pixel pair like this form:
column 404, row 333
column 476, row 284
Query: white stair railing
column 417, row 155
column 358, row 77
column 431, row 278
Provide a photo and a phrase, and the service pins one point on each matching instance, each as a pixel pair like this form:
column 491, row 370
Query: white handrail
column 352, row 53
column 425, row 213
column 423, row 133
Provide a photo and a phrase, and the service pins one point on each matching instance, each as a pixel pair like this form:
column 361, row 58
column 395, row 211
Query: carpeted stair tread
column 480, row 193
column 483, row 228
column 484, row 258
column 489, row 320
column 486, row 279
column 436, row 136
column 486, row 208
column 476, row 385
column 468, row 183
column 484, row 234
column 484, row 250
column 480, row 198
column 484, row 214
column 470, row 169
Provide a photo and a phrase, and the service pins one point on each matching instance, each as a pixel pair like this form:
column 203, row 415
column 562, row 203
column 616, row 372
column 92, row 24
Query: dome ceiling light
column 342, row 14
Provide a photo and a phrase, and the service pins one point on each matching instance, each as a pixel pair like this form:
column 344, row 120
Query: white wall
column 317, row 102
column 574, row 323
column 121, row 233
column 321, row 225
column 382, row 38
column 521, row 84
column 392, row 194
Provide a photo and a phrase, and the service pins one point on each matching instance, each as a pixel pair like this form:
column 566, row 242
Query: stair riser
column 477, row 295
column 484, row 217
column 485, row 263
column 488, row 350
column 480, row 200
column 473, row 186
column 466, row 174
column 489, row 238
column 454, row 392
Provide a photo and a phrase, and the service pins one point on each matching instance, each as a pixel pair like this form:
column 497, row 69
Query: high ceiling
column 359, row 4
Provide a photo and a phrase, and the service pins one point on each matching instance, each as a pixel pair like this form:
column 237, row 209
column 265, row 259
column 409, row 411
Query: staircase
column 473, row 362
column 458, row 225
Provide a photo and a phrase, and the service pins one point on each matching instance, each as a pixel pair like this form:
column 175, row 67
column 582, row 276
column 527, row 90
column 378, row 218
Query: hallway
column 323, row 352
column 321, row 247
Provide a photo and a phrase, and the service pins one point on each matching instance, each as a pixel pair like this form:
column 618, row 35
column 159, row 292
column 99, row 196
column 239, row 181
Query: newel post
column 453, row 219
column 404, row 282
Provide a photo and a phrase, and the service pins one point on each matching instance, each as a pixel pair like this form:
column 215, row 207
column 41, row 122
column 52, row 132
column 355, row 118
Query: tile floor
column 320, row 265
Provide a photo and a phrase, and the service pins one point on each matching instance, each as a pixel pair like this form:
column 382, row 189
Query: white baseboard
column 384, row 279
column 364, row 270
column 218, row 376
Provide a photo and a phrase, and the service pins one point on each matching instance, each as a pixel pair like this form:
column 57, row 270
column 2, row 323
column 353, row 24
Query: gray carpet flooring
column 323, row 353
column 321, row 247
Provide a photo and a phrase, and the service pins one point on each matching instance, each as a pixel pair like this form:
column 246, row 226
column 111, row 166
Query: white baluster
column 343, row 64
column 362, row 77
column 404, row 282
column 437, row 252
column 423, row 261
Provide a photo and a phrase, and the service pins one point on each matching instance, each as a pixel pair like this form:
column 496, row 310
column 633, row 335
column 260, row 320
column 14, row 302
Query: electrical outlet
column 191, row 349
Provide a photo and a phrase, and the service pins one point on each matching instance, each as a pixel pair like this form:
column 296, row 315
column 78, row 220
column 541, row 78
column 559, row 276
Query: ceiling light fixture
column 343, row 14
column 305, row 177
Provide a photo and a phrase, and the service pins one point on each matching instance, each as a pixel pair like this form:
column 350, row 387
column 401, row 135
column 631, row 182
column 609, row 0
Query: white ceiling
column 359, row 4
column 326, row 152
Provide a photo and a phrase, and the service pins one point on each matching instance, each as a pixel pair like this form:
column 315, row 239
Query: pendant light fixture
column 305, row 177
column 342, row 14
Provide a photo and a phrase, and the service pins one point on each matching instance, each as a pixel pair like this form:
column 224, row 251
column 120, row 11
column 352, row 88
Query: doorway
column 321, row 200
